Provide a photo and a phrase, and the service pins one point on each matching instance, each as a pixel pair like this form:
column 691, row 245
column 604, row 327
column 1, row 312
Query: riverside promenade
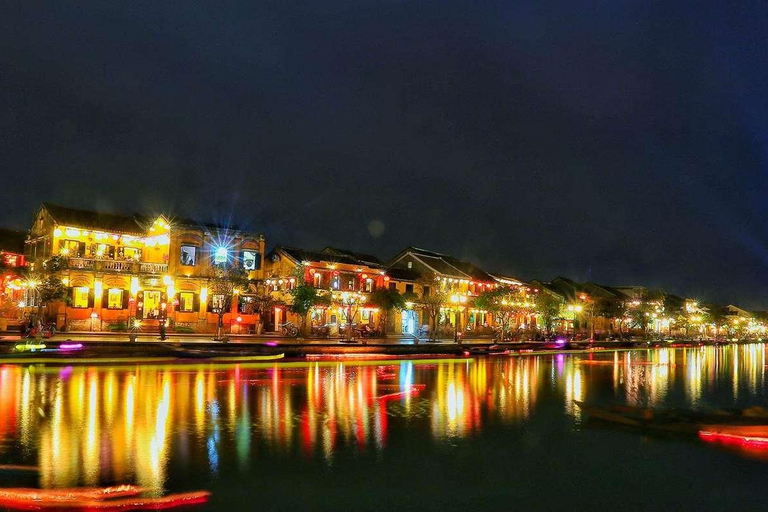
column 72, row 346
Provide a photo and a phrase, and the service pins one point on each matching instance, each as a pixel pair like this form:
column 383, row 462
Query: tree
column 645, row 306
column 350, row 303
column 47, row 285
column 387, row 300
column 718, row 316
column 264, row 301
column 548, row 307
column 223, row 282
column 431, row 300
column 615, row 310
column 505, row 304
column 304, row 298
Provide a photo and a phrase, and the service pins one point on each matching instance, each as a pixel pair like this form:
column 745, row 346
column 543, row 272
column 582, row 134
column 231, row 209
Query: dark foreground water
column 499, row 433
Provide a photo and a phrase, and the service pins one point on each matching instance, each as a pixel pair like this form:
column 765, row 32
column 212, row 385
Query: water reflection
column 93, row 426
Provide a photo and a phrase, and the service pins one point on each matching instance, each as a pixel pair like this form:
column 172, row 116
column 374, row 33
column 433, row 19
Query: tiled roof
column 95, row 220
column 360, row 256
column 12, row 240
column 300, row 255
column 134, row 224
column 448, row 265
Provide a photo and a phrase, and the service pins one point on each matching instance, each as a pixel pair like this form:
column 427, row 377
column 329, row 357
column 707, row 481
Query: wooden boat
column 752, row 421
column 219, row 355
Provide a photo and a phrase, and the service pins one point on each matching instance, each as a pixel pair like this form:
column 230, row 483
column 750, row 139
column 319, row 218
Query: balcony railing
column 83, row 263
column 133, row 267
column 153, row 268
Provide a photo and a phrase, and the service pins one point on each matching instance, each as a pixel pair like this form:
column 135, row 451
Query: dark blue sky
column 622, row 142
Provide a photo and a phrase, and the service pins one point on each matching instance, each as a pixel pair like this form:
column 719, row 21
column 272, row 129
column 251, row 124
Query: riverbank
column 72, row 349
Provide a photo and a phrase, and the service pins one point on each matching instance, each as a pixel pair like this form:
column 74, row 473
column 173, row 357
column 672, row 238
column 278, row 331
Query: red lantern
column 386, row 278
column 311, row 271
column 364, row 276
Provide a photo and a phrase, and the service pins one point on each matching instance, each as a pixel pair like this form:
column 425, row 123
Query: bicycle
column 289, row 330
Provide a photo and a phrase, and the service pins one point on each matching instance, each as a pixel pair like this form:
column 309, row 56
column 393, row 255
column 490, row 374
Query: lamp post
column 457, row 299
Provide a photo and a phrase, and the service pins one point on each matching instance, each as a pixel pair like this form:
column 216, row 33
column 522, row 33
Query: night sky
column 618, row 142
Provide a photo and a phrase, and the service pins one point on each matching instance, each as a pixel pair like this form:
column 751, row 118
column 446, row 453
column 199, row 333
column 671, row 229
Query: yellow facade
column 120, row 276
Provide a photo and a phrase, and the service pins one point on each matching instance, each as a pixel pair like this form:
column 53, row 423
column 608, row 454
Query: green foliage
column 185, row 329
column 432, row 302
column 548, row 308
column 305, row 297
column 505, row 303
column 386, row 299
column 223, row 281
column 118, row 327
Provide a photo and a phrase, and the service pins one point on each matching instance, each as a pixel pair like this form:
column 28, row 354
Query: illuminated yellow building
column 123, row 270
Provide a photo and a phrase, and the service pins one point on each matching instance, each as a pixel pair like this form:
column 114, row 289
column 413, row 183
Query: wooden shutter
column 81, row 250
column 105, row 299
column 195, row 302
column 90, row 297
column 125, row 299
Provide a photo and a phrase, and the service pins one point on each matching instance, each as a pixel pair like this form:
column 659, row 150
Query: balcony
column 127, row 266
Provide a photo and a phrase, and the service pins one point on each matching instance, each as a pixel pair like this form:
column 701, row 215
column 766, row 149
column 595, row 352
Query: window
column 317, row 279
column 217, row 303
column 186, row 302
column 409, row 289
column 71, row 248
column 410, row 264
column 114, row 298
column 369, row 285
column 246, row 304
column 351, row 285
column 392, row 286
column 188, row 255
column 131, row 253
column 104, row 251
column 220, row 255
column 80, row 297
column 251, row 260
column 151, row 305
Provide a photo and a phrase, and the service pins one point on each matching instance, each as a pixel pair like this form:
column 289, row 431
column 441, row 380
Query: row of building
column 140, row 270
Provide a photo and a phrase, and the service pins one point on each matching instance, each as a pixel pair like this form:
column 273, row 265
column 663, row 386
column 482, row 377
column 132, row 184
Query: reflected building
column 89, row 426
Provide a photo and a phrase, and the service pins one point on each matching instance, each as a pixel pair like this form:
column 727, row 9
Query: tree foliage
column 548, row 308
column 387, row 300
column 505, row 303
column 223, row 281
column 304, row 297
column 432, row 299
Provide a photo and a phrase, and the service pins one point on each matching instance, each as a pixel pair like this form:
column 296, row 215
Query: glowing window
column 217, row 303
column 186, row 302
column 151, row 305
column 220, row 256
column 188, row 253
column 80, row 297
column 251, row 260
column 131, row 253
column 115, row 298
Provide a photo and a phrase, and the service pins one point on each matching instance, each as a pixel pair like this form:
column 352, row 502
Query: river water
column 498, row 433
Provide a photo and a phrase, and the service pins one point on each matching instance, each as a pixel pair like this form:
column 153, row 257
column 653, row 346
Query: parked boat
column 746, row 422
